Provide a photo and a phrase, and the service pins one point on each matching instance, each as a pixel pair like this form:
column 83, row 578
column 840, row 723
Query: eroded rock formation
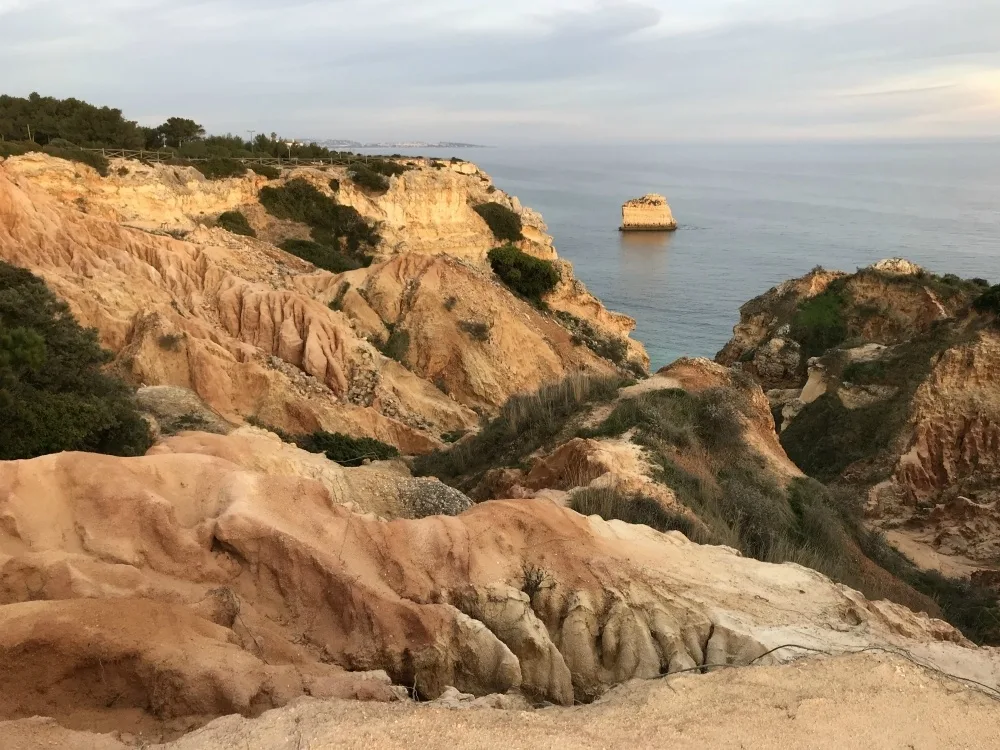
column 900, row 406
column 649, row 213
column 278, row 588
column 249, row 328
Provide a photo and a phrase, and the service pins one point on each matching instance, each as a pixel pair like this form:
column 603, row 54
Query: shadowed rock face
column 249, row 328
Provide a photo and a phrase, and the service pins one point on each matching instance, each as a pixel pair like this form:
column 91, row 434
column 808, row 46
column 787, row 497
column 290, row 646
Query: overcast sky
column 500, row 71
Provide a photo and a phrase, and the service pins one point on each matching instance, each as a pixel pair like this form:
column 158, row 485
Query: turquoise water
column 751, row 217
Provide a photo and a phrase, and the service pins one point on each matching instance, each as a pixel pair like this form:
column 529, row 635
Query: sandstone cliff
column 249, row 328
column 900, row 406
column 649, row 213
column 208, row 588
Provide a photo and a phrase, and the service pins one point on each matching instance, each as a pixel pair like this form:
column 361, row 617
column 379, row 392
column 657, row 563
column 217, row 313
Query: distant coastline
column 342, row 145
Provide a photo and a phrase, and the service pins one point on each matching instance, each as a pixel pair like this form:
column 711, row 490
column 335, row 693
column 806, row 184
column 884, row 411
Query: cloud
column 540, row 69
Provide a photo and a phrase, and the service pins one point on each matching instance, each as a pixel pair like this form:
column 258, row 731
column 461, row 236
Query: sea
column 750, row 217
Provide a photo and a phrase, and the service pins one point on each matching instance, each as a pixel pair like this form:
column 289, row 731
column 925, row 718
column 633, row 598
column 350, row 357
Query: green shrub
column 504, row 223
column 523, row 425
column 271, row 173
column 454, row 436
column 477, row 330
column 612, row 348
column 386, row 168
column 989, row 301
column 170, row 342
column 15, row 148
column 220, row 169
column 980, row 282
column 90, row 158
column 54, row 395
column 335, row 185
column 321, row 256
column 298, row 200
column 397, row 345
column 235, row 222
column 819, row 323
column 346, row 450
column 524, row 274
column 337, row 302
column 450, row 302
column 612, row 504
column 369, row 180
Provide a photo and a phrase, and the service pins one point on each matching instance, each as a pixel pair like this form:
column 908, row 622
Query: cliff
column 880, row 381
column 250, row 329
column 209, row 587
column 594, row 529
column 649, row 213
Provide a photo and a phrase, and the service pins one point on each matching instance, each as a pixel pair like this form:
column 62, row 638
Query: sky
column 538, row 71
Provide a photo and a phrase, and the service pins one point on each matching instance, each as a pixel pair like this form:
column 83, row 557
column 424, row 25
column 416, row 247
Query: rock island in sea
column 650, row 213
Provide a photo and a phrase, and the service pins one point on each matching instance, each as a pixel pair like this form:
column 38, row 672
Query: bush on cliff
column 220, row 169
column 299, row 200
column 271, row 173
column 369, row 180
column 346, row 450
column 53, row 394
column 989, row 301
column 321, row 256
column 90, row 158
column 504, row 223
column 235, row 222
column 819, row 323
column 526, row 275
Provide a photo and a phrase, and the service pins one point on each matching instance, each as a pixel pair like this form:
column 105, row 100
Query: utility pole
column 30, row 139
column 252, row 134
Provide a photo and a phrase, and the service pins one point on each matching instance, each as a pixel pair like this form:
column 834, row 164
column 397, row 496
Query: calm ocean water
column 751, row 217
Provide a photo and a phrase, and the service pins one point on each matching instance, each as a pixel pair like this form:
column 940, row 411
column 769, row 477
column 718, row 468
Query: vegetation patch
column 524, row 274
column 235, row 222
column 321, row 256
column 346, row 450
column 54, row 395
column 612, row 348
column 820, row 322
column 989, row 301
column 397, row 345
column 220, row 169
column 477, row 330
column 503, row 222
column 271, row 173
column 524, row 424
column 332, row 225
column 337, row 302
column 170, row 342
column 369, row 180
column 613, row 504
column 826, row 437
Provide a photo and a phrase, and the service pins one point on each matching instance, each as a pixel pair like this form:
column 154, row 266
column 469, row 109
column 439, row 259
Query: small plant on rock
column 235, row 222
column 535, row 579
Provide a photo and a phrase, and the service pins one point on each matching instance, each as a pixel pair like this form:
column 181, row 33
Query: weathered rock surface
column 915, row 387
column 876, row 701
column 248, row 328
column 291, row 586
column 649, row 213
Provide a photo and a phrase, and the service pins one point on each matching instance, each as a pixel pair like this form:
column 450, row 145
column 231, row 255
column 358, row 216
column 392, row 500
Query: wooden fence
column 160, row 157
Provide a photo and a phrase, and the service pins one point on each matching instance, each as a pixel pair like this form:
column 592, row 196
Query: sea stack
column 650, row 213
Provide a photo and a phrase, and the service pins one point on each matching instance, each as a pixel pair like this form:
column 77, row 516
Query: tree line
column 61, row 123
